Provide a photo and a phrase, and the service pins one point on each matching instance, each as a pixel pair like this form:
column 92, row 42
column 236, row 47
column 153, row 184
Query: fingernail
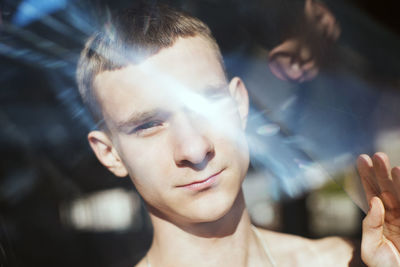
column 378, row 163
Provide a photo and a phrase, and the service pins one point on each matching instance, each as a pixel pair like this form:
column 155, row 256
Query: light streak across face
column 282, row 154
column 212, row 104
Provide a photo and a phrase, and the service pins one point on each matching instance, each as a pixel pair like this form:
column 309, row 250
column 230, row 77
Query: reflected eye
column 147, row 126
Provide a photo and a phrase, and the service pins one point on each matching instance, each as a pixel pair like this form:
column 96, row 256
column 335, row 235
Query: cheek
column 149, row 168
column 148, row 162
column 228, row 130
column 149, row 179
column 238, row 152
column 234, row 138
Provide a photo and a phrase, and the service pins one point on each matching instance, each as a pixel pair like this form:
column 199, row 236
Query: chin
column 215, row 206
column 214, row 209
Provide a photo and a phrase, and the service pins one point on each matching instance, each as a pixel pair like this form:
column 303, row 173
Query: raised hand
column 381, row 227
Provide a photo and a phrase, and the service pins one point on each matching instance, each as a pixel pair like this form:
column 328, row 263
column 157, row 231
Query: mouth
column 203, row 184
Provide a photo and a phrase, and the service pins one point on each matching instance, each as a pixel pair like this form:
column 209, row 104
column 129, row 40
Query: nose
column 192, row 148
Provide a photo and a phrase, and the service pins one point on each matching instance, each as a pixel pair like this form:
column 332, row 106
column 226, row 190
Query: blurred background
column 323, row 78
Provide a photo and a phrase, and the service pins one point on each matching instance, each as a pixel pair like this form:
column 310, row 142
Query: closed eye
column 147, row 127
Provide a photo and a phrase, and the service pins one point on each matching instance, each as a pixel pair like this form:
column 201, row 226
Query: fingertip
column 375, row 200
column 395, row 172
column 364, row 159
column 380, row 156
column 375, row 215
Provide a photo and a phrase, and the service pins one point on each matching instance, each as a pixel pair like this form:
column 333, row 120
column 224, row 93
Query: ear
column 239, row 94
column 106, row 153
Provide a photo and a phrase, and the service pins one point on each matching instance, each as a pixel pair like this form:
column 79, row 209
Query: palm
column 391, row 227
column 381, row 233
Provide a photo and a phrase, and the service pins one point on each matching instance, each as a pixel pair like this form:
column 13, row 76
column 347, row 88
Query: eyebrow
column 137, row 118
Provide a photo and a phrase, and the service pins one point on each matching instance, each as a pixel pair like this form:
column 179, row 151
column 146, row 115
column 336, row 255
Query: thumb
column 372, row 233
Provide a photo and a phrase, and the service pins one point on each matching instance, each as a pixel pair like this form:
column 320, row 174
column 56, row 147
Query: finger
column 365, row 169
column 372, row 232
column 391, row 200
column 376, row 250
column 396, row 181
column 382, row 174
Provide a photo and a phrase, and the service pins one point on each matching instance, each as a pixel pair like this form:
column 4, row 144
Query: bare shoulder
column 141, row 263
column 330, row 251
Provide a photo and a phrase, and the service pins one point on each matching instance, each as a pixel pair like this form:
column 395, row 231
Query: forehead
column 190, row 65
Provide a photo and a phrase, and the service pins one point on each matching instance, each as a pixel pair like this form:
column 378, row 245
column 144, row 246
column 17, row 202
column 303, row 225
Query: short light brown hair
column 129, row 37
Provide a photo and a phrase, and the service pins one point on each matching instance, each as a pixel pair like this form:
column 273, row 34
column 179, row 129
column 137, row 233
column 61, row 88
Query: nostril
column 210, row 155
column 196, row 161
column 206, row 160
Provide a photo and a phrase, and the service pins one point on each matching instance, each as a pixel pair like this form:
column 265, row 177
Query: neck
column 225, row 242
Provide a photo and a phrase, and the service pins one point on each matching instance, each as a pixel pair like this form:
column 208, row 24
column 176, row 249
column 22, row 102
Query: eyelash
column 147, row 125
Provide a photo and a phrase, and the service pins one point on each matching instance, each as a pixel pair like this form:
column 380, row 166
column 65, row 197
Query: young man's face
column 176, row 127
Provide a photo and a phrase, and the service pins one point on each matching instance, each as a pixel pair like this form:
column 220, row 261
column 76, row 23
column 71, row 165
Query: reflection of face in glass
column 177, row 130
column 298, row 57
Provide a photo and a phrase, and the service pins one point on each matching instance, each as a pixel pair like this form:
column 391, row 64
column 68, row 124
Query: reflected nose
column 192, row 148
